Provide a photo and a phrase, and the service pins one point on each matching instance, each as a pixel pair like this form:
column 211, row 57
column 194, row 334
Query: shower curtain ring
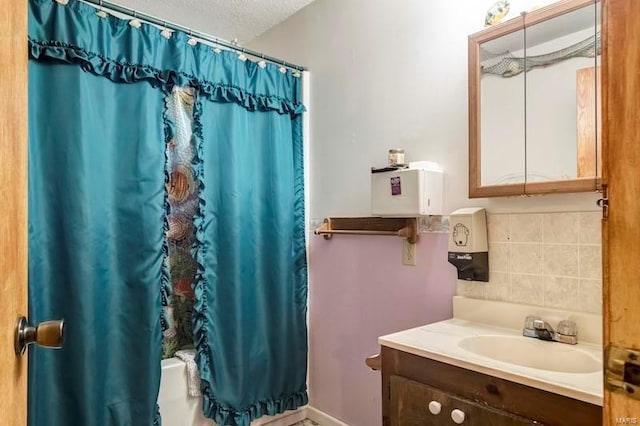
column 165, row 31
column 192, row 41
column 101, row 13
column 241, row 55
column 262, row 63
column 135, row 22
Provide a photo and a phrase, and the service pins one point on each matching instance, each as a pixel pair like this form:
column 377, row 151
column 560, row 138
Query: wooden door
column 621, row 155
column 13, row 206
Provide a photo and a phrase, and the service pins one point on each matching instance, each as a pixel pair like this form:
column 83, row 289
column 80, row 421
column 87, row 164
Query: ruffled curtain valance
column 110, row 47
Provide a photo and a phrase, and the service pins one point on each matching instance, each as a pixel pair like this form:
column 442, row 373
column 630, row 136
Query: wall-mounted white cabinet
column 412, row 192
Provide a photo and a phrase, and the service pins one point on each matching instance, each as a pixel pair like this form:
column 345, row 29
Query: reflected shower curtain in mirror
column 143, row 146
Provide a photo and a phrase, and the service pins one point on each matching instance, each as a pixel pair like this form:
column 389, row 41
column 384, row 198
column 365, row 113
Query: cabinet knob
column 457, row 416
column 435, row 407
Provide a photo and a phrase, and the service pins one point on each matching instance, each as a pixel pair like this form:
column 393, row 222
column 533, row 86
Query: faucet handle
column 542, row 325
column 530, row 320
column 567, row 328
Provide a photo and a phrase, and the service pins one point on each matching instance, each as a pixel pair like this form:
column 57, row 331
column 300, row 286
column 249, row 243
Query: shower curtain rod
column 166, row 24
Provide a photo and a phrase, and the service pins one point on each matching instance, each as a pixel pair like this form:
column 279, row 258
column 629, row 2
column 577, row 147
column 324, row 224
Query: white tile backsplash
column 526, row 228
column 591, row 262
column 525, row 258
column 499, row 287
column 561, row 259
column 500, row 257
column 562, row 228
column 551, row 260
column 590, row 227
column 591, row 296
column 561, row 292
column 499, row 227
column 471, row 289
column 527, row 288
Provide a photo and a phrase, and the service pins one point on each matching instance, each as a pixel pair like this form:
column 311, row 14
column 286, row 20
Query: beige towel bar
column 374, row 362
column 401, row 227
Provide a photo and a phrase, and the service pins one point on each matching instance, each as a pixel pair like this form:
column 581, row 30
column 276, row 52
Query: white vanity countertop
column 440, row 342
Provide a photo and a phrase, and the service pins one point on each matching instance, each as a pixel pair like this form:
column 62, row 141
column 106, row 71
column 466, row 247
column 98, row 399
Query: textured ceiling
column 226, row 19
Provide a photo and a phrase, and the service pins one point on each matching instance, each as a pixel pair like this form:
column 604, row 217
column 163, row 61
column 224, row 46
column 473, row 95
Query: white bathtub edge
column 176, row 406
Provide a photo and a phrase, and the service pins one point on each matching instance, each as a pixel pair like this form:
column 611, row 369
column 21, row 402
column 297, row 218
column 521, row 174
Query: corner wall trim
column 285, row 419
column 323, row 418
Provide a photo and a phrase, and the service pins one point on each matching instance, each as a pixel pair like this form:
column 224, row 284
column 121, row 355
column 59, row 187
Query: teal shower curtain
column 107, row 190
column 96, row 193
column 251, row 300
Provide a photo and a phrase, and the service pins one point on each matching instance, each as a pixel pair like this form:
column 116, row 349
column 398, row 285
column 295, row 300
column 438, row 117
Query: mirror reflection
column 502, row 104
column 561, row 91
column 539, row 101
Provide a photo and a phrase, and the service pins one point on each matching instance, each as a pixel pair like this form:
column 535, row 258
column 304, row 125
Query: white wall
column 386, row 74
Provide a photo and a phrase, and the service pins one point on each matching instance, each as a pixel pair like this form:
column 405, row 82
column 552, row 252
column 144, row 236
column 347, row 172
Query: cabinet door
column 410, row 407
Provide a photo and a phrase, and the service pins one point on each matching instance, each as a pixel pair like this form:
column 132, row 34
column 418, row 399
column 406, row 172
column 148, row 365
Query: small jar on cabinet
column 396, row 156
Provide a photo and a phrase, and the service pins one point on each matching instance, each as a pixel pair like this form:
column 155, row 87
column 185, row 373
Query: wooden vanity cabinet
column 411, row 382
column 410, row 407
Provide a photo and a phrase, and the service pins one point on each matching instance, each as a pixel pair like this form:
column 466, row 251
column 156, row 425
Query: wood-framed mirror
column 534, row 108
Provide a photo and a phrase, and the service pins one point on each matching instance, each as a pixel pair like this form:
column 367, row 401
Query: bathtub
column 177, row 408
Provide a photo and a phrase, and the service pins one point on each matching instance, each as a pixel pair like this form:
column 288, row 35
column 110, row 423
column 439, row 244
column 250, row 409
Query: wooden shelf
column 401, row 227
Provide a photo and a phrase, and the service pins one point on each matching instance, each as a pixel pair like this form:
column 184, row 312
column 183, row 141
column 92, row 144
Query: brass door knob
column 48, row 334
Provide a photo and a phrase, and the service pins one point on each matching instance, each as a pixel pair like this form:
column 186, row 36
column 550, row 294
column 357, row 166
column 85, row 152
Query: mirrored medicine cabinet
column 534, row 107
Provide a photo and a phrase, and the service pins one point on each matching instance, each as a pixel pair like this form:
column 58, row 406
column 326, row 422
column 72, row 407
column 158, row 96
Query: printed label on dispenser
column 460, row 235
column 395, row 186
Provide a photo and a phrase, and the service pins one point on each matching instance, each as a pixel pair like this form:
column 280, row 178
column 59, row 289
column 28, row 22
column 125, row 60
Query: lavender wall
column 359, row 290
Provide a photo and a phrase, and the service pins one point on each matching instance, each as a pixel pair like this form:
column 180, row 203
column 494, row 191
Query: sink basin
column 533, row 353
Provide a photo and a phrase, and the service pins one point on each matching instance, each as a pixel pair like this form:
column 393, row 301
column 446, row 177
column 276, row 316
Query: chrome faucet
column 535, row 327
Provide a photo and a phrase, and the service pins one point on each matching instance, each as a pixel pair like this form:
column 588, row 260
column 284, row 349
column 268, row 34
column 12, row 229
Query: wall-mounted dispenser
column 468, row 249
column 407, row 192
